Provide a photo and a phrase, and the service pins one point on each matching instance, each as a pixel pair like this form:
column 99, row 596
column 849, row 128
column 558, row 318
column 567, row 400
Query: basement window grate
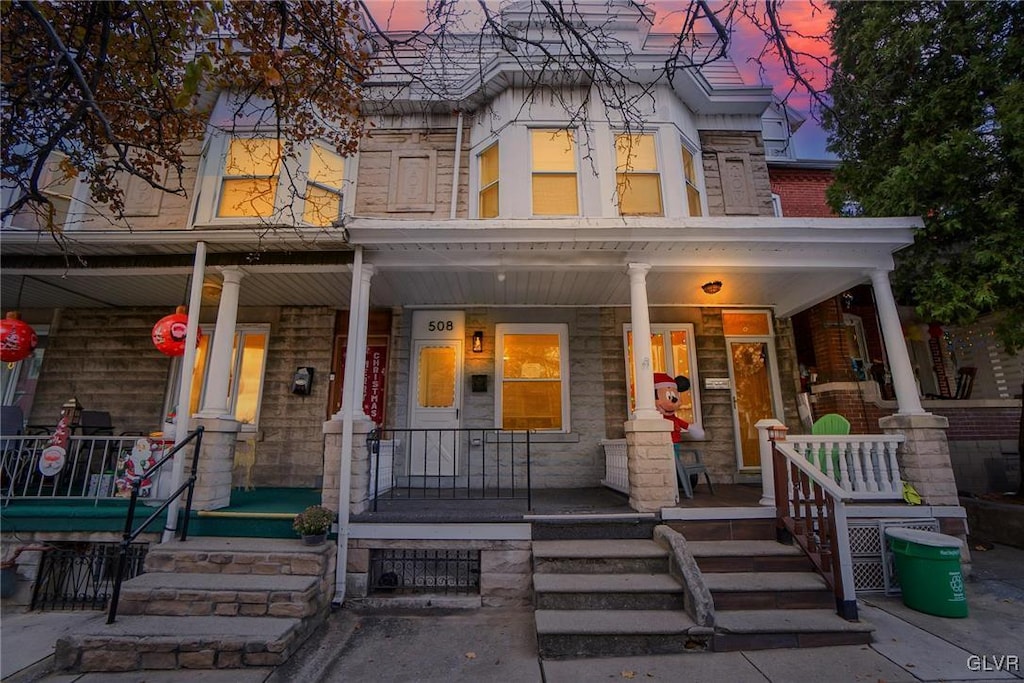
column 403, row 571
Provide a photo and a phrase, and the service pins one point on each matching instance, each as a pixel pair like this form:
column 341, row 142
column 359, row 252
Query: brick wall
column 802, row 191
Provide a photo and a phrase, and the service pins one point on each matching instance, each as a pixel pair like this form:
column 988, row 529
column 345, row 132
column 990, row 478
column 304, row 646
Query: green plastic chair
column 831, row 424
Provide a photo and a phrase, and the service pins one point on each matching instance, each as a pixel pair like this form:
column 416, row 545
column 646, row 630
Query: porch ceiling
column 786, row 264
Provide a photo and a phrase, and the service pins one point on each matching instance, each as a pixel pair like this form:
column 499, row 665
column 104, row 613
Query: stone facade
column 106, row 359
column 407, row 173
column 735, row 173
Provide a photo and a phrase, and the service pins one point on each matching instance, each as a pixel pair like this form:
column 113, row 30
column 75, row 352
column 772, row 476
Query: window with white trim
column 258, row 178
column 488, row 161
column 532, row 376
column 554, row 181
column 637, row 180
column 692, row 180
column 245, row 382
column 673, row 351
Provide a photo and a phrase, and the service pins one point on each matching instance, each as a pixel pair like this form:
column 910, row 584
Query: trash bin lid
column 929, row 538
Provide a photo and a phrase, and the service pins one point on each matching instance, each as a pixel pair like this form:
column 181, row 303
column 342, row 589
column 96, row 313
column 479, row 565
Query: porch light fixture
column 478, row 341
column 777, row 432
column 713, row 287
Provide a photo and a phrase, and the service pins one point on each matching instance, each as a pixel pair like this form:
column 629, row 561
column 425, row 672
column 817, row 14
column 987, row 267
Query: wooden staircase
column 211, row 603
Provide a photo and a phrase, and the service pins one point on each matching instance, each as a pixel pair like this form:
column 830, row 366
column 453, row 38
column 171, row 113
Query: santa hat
column 663, row 381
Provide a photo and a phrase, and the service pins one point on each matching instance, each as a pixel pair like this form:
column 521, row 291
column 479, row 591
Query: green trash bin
column 928, row 566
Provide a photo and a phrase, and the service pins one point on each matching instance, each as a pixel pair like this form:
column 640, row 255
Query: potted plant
column 313, row 523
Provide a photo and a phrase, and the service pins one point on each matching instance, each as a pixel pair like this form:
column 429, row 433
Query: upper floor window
column 532, row 376
column 324, row 185
column 692, row 183
column 637, row 181
column 488, row 160
column 554, row 179
column 252, row 178
column 249, row 183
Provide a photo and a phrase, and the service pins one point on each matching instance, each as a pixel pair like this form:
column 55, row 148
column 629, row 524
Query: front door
column 755, row 385
column 436, row 379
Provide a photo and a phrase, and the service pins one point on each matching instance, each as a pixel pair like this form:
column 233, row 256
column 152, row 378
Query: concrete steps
column 603, row 598
column 767, row 595
column 211, row 603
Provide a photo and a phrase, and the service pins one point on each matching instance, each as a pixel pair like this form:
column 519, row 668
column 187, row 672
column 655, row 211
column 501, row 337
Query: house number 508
column 440, row 326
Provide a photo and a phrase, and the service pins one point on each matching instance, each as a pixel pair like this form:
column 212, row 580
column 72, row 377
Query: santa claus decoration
column 169, row 333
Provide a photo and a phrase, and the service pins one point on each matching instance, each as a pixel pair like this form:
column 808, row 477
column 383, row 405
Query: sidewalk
column 500, row 646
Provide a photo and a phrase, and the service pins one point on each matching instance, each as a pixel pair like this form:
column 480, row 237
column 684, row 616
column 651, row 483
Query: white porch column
column 764, row 445
column 182, row 417
column 215, row 401
column 352, row 454
column 640, row 316
column 363, row 322
column 907, row 399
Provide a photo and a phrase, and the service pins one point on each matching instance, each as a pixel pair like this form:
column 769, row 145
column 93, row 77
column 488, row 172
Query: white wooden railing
column 616, row 468
column 863, row 465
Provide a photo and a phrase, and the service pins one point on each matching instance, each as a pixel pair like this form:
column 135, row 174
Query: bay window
column 692, row 183
column 554, row 181
column 532, row 377
column 488, row 160
column 249, row 182
column 251, row 178
column 637, row 181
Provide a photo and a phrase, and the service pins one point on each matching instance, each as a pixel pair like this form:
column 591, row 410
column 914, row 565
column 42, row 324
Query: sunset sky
column 808, row 18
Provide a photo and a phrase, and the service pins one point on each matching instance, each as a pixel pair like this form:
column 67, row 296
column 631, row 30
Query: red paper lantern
column 169, row 333
column 17, row 338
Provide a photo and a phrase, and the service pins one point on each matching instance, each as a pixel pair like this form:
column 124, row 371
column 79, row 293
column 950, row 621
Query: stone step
column 770, row 629
column 567, row 634
column 768, row 590
column 749, row 556
column 251, row 595
column 607, row 592
column 219, row 555
column 725, row 529
column 159, row 642
column 639, row 526
column 642, row 556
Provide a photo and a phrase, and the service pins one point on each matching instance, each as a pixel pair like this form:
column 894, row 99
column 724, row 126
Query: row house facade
column 513, row 278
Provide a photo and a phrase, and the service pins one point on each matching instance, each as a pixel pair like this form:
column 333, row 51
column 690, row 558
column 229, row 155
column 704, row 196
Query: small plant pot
column 313, row 539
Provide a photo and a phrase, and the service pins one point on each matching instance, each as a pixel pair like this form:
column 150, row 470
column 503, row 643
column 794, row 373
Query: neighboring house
column 502, row 269
column 962, row 374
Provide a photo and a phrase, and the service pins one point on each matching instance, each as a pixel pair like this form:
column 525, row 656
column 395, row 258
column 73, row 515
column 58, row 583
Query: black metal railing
column 430, row 571
column 92, row 468
column 77, row 576
column 130, row 533
column 453, row 464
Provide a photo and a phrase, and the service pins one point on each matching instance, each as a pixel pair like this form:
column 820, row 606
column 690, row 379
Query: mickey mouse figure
column 666, row 398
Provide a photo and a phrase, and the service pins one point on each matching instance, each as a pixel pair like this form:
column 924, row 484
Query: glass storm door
column 750, row 367
column 436, row 397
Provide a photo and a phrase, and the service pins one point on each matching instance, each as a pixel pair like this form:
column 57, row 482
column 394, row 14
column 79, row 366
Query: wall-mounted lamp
column 478, row 341
column 713, row 287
